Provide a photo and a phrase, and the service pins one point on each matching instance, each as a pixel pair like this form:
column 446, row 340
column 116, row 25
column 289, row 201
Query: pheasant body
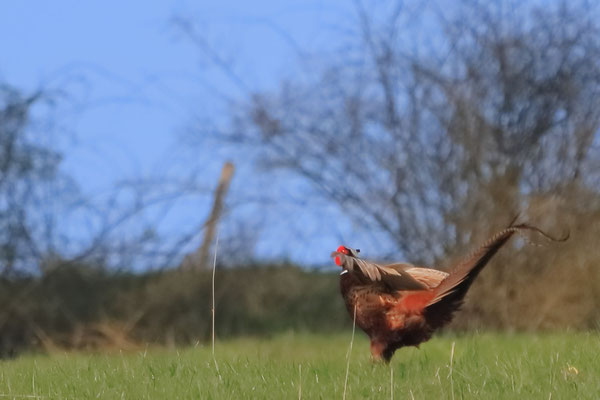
column 391, row 319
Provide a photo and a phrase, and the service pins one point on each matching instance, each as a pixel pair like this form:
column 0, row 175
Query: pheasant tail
column 449, row 295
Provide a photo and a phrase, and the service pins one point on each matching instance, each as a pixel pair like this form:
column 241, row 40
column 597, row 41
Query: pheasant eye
column 342, row 249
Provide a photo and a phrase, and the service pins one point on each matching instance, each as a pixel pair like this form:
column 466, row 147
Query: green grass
column 492, row 366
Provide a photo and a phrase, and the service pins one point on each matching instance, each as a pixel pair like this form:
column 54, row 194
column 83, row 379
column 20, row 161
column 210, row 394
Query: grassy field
column 489, row 366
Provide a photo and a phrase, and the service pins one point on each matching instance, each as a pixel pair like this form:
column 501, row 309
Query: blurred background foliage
column 429, row 138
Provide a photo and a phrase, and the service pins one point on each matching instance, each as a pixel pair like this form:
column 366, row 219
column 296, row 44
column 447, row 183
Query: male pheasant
column 400, row 304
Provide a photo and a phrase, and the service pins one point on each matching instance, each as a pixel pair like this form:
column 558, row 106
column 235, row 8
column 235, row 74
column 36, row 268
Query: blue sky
column 131, row 83
column 132, row 78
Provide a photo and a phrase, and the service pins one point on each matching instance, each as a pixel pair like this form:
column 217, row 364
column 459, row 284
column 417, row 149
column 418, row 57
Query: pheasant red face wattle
column 343, row 250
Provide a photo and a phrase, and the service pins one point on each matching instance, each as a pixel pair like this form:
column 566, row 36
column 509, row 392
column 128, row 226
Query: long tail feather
column 450, row 293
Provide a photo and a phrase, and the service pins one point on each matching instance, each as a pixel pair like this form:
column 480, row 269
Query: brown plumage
column 400, row 304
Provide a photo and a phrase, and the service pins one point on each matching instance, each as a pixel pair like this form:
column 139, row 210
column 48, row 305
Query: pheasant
column 401, row 304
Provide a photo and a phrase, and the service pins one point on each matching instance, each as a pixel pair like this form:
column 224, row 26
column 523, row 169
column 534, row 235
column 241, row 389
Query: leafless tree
column 47, row 221
column 435, row 143
column 31, row 185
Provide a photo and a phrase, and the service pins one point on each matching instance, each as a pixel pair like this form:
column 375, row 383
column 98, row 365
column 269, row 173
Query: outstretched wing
column 393, row 276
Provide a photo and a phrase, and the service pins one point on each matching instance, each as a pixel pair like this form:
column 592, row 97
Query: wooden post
column 200, row 258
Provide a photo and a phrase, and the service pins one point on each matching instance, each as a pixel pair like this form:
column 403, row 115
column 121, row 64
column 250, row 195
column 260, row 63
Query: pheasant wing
column 427, row 276
column 393, row 276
